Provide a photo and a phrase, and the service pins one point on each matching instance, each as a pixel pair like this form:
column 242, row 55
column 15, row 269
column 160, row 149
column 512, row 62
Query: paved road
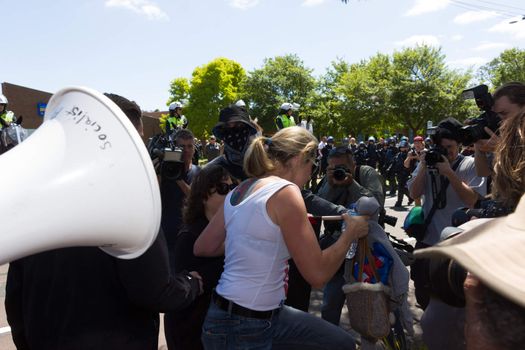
column 316, row 299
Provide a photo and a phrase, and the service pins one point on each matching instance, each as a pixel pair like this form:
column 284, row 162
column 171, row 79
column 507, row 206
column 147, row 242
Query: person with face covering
column 237, row 130
column 264, row 222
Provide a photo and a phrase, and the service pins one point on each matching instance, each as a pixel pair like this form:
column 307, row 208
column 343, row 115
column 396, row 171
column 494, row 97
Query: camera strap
column 442, row 192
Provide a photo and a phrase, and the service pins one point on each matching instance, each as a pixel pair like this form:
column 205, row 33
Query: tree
column 179, row 90
column 365, row 91
column 422, row 88
column 213, row 86
column 324, row 103
column 281, row 79
column 509, row 66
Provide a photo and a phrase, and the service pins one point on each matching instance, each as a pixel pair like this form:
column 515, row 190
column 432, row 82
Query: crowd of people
column 241, row 245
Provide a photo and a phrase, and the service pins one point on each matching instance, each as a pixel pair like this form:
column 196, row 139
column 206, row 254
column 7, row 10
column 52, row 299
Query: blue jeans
column 287, row 329
column 333, row 299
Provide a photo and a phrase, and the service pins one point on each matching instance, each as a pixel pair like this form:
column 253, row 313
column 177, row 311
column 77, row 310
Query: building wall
column 23, row 101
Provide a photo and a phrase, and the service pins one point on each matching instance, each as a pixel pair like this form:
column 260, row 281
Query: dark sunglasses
column 223, row 188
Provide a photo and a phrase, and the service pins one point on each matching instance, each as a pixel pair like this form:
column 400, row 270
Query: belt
column 239, row 310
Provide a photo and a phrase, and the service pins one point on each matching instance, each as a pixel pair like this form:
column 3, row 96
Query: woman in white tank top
column 264, row 223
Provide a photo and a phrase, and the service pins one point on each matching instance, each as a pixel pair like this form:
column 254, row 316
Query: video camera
column 167, row 156
column 475, row 130
column 446, row 276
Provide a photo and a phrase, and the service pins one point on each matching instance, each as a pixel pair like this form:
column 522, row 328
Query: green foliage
column 212, row 87
column 162, row 121
column 324, row 103
column 508, row 66
column 424, row 89
column 382, row 94
column 280, row 79
column 179, row 90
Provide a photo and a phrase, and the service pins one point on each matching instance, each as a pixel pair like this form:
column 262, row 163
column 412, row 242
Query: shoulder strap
column 442, row 191
column 357, row 176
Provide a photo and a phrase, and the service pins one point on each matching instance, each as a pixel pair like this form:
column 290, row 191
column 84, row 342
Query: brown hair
column 201, row 185
column 130, row 108
column 515, row 92
column 265, row 154
column 509, row 164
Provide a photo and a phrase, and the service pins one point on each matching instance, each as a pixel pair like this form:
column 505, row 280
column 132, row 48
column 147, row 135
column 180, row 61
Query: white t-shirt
column 256, row 257
column 442, row 218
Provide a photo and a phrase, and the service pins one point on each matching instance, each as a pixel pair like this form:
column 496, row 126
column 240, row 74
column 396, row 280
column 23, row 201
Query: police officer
column 6, row 117
column 175, row 120
column 371, row 150
column 402, row 173
column 285, row 118
column 361, row 154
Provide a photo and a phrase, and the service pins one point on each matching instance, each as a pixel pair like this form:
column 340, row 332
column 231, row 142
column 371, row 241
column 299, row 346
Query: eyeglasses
column 223, row 188
column 339, row 150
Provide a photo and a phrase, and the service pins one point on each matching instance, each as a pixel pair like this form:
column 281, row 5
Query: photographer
column 447, row 182
column 509, row 103
column 344, row 184
column 494, row 289
column 173, row 191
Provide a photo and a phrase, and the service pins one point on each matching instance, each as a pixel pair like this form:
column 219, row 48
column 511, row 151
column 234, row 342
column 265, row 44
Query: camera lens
column 446, row 280
column 340, row 174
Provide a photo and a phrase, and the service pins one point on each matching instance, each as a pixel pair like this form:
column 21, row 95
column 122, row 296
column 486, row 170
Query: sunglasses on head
column 223, row 188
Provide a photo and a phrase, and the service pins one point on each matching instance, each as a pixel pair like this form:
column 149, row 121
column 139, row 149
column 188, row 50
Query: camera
column 446, row 277
column 434, row 154
column 475, row 130
column 390, row 220
column 166, row 156
column 340, row 173
column 484, row 209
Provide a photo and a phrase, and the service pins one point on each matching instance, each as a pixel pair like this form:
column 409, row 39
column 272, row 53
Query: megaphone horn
column 83, row 178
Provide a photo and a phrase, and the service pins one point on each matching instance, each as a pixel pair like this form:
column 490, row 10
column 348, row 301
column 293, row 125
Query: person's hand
column 357, row 226
column 197, row 276
column 488, row 145
column 444, row 167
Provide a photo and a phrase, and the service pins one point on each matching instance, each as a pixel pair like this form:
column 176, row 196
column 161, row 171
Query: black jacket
column 82, row 298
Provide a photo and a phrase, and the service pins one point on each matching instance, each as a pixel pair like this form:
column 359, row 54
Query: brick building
column 30, row 104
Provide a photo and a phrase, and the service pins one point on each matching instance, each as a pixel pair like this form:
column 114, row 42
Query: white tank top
column 256, row 257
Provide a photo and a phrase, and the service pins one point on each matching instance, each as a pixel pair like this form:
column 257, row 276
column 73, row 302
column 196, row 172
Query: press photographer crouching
column 494, row 289
column 448, row 181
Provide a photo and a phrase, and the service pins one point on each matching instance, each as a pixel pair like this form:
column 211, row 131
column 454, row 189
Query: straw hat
column 493, row 250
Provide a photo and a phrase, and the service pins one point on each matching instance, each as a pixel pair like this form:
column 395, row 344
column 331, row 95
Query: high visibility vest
column 175, row 122
column 8, row 117
column 287, row 121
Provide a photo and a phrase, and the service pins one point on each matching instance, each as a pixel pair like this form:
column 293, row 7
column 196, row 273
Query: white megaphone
column 83, row 178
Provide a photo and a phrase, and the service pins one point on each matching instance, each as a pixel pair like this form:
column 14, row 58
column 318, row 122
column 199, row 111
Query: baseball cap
column 418, row 138
column 492, row 250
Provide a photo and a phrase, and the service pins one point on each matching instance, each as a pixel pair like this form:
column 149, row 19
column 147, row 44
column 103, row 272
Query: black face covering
column 236, row 138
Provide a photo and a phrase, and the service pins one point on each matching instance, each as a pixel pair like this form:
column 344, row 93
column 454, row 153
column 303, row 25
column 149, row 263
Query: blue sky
column 136, row 47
